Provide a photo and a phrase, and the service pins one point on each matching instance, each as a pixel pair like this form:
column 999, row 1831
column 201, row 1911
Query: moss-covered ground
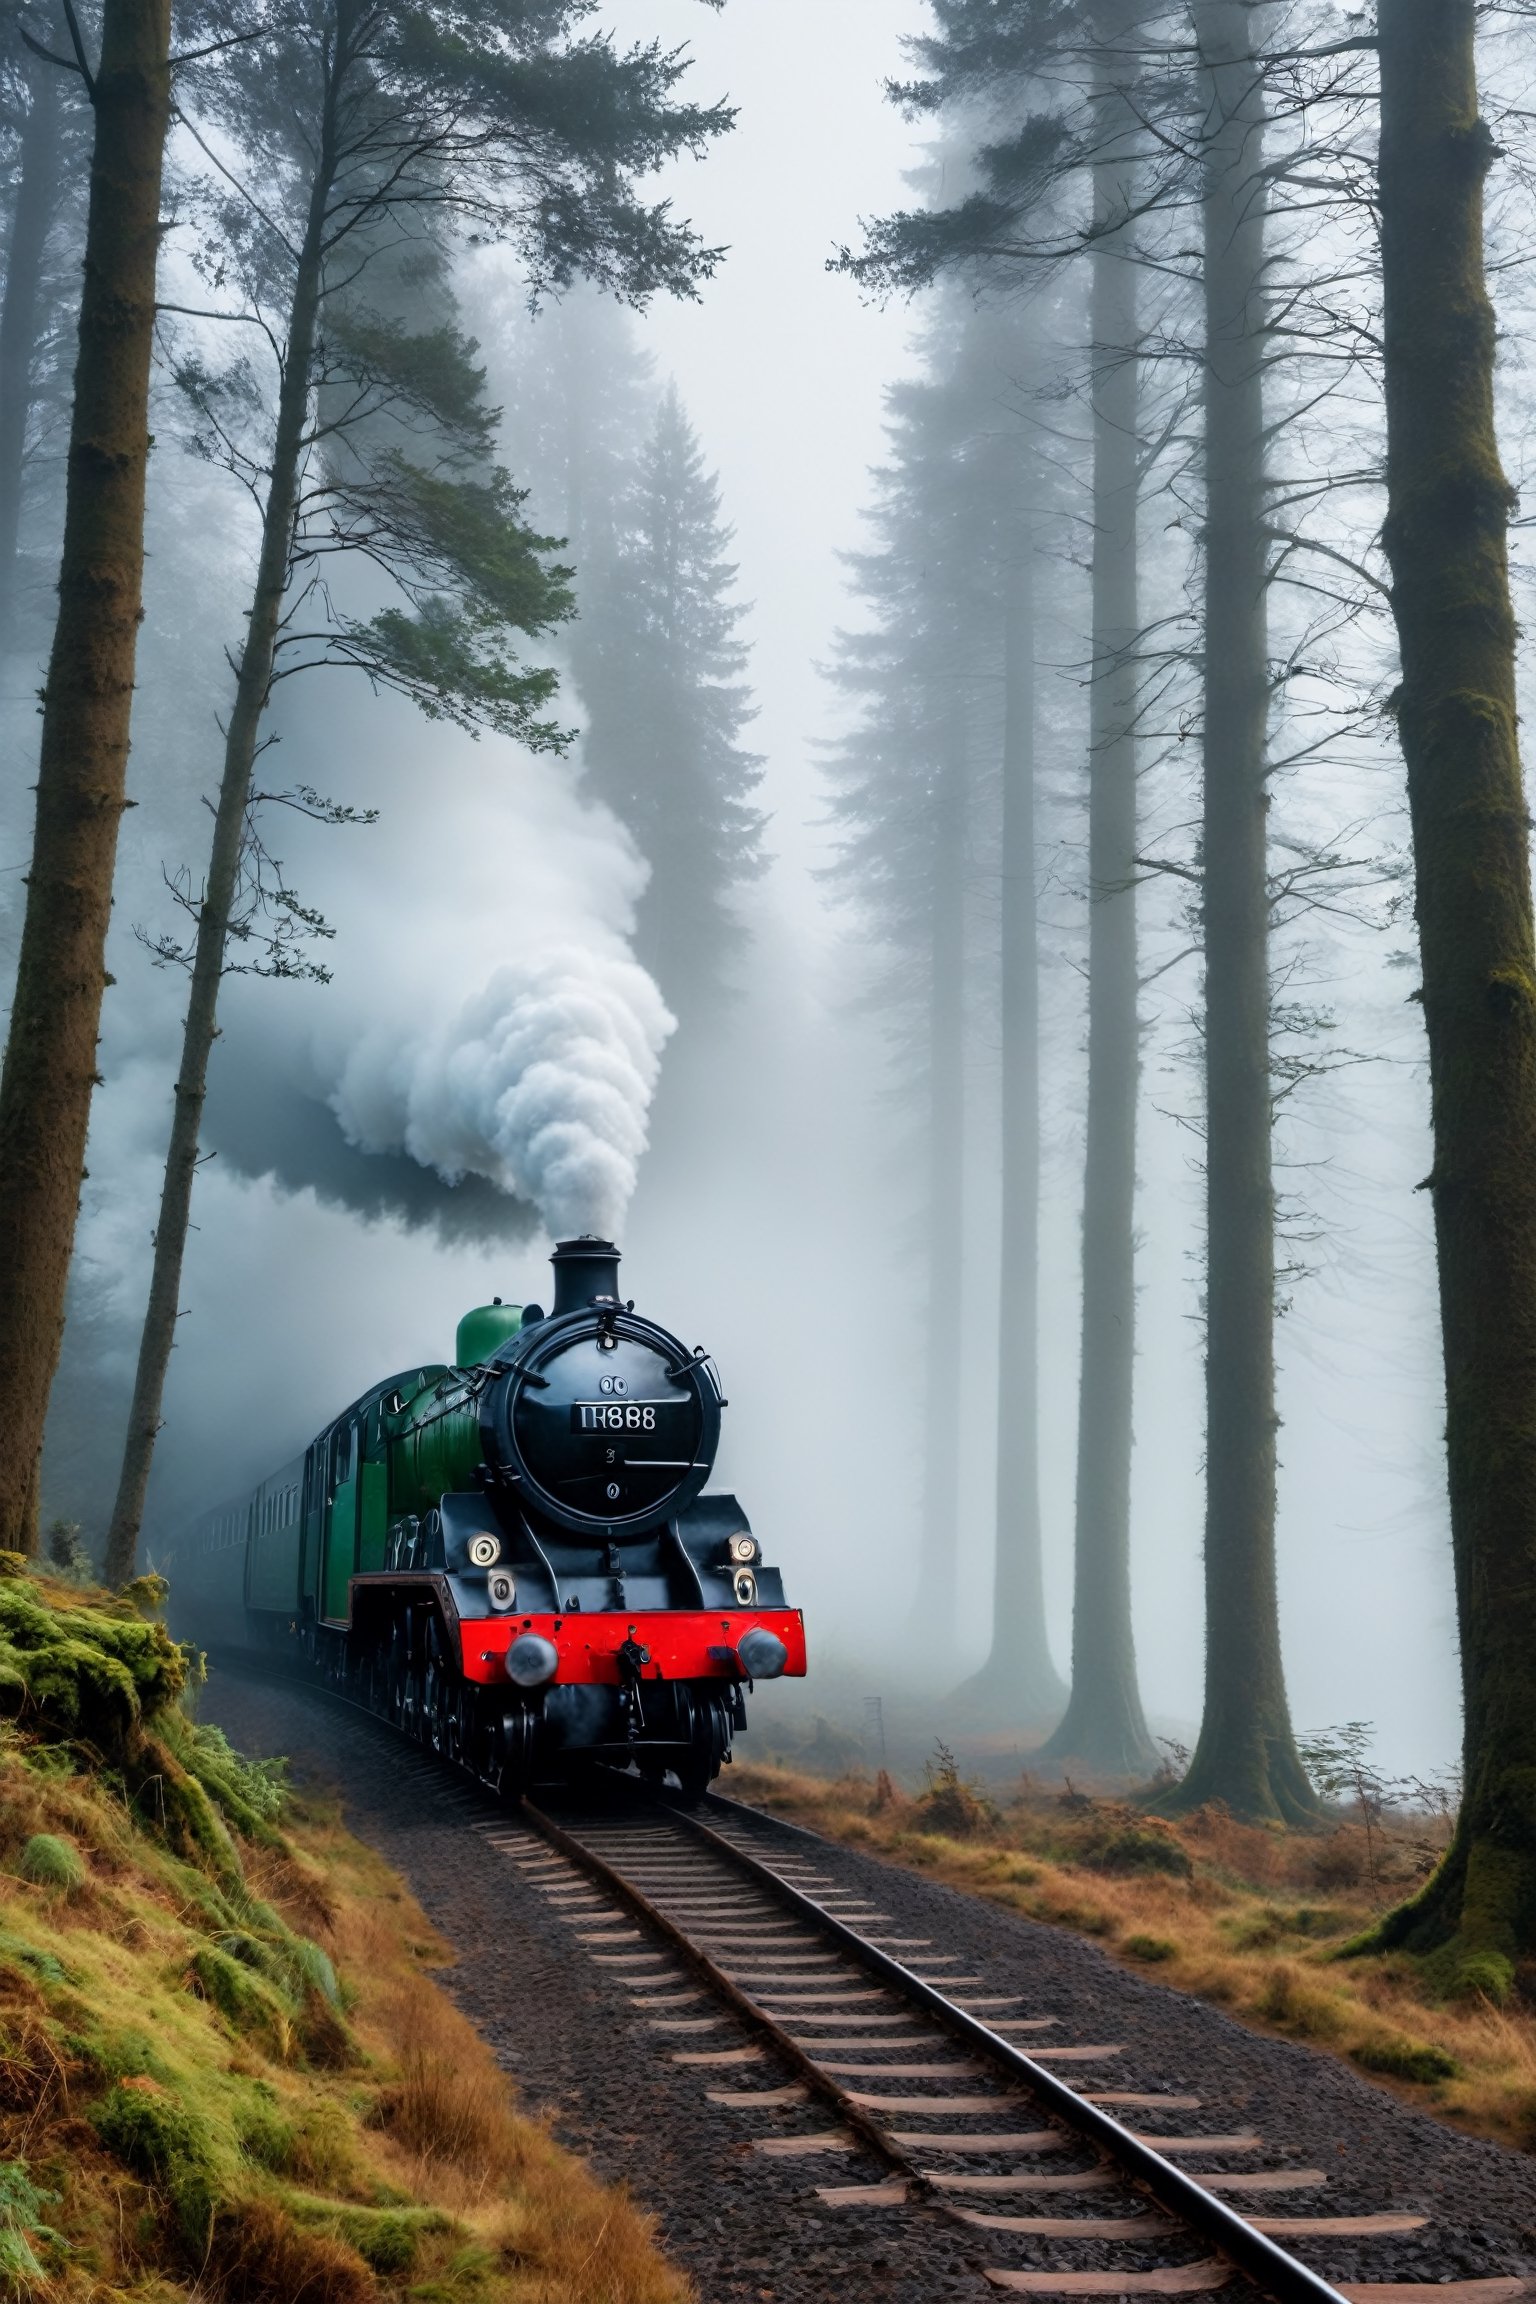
column 1253, row 1919
column 226, row 2071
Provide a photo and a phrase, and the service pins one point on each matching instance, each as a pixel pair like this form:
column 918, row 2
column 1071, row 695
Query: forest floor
column 1250, row 1919
column 227, row 2072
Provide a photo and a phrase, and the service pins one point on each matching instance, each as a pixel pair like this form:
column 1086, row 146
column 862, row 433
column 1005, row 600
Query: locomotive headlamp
column 761, row 1653
column 745, row 1585
column 485, row 1551
column 531, row 1660
column 743, row 1550
column 502, row 1588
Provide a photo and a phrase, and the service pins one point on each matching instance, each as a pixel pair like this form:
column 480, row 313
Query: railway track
column 907, row 2087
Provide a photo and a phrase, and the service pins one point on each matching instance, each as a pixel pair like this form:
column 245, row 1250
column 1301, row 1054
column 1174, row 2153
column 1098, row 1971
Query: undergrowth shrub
column 258, row 2254
column 313, row 2146
column 49, row 1862
column 27, row 1959
column 1405, row 2059
column 119, row 2056
column 950, row 1805
column 250, row 1792
column 266, row 2137
column 1339, row 1861
column 389, row 2240
column 1292, row 1998
column 245, row 1999
column 1116, row 1841
column 1148, row 1948
column 171, row 2146
column 1484, row 1976
column 21, row 2224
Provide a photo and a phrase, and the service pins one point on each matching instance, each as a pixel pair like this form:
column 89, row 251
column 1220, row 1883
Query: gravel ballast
column 748, row 2226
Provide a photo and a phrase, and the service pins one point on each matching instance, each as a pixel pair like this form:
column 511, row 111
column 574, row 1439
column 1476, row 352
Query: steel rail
column 755, row 2019
column 1270, row 2267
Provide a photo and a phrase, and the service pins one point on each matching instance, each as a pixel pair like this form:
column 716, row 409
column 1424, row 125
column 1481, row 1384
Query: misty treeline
column 1192, row 505
column 283, row 219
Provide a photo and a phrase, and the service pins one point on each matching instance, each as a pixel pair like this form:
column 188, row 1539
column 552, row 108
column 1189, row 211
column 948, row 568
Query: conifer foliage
column 659, row 660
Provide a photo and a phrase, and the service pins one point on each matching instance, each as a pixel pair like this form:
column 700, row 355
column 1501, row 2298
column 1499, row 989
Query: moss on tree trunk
column 1448, row 505
column 50, row 1057
column 1246, row 1756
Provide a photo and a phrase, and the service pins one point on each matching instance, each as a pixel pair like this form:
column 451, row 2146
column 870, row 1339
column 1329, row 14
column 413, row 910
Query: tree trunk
column 934, row 1608
column 1447, row 507
column 37, row 200
column 50, row 1057
column 1019, row 1682
column 252, row 689
column 1103, row 1725
column 1246, row 1756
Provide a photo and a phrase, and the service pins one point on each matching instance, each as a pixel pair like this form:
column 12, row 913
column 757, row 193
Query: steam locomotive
column 514, row 1558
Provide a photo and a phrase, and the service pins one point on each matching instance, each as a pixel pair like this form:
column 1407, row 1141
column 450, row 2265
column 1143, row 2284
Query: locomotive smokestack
column 585, row 1269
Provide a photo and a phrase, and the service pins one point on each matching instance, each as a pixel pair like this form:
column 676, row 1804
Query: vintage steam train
column 513, row 1558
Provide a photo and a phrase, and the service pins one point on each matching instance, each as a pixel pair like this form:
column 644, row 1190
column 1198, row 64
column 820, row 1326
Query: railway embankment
column 1250, row 1919
column 613, row 2030
column 227, row 2069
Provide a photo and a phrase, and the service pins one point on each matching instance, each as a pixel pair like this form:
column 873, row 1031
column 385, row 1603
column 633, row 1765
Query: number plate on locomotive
column 623, row 1415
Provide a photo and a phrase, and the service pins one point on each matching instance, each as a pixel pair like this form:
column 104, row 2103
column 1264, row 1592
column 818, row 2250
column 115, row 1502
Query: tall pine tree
column 935, row 790
column 658, row 660
column 49, row 1072
column 1448, row 508
column 1011, row 69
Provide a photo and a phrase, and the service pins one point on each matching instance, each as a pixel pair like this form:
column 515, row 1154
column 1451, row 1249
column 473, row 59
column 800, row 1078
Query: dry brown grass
column 444, row 2129
column 258, row 2255
column 185, row 2118
column 1248, row 1918
column 447, row 2111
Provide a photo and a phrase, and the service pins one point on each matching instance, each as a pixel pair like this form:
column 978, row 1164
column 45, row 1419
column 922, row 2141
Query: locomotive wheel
column 374, row 1675
column 708, row 1747
column 439, row 1693
column 513, row 1739
column 405, row 1700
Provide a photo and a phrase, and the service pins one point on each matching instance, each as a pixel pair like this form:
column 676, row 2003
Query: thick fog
column 496, row 1061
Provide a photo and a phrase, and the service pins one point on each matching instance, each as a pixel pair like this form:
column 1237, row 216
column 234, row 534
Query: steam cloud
column 541, row 1084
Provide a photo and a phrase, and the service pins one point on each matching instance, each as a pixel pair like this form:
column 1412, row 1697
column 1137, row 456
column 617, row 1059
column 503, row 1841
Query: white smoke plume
column 541, row 1083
